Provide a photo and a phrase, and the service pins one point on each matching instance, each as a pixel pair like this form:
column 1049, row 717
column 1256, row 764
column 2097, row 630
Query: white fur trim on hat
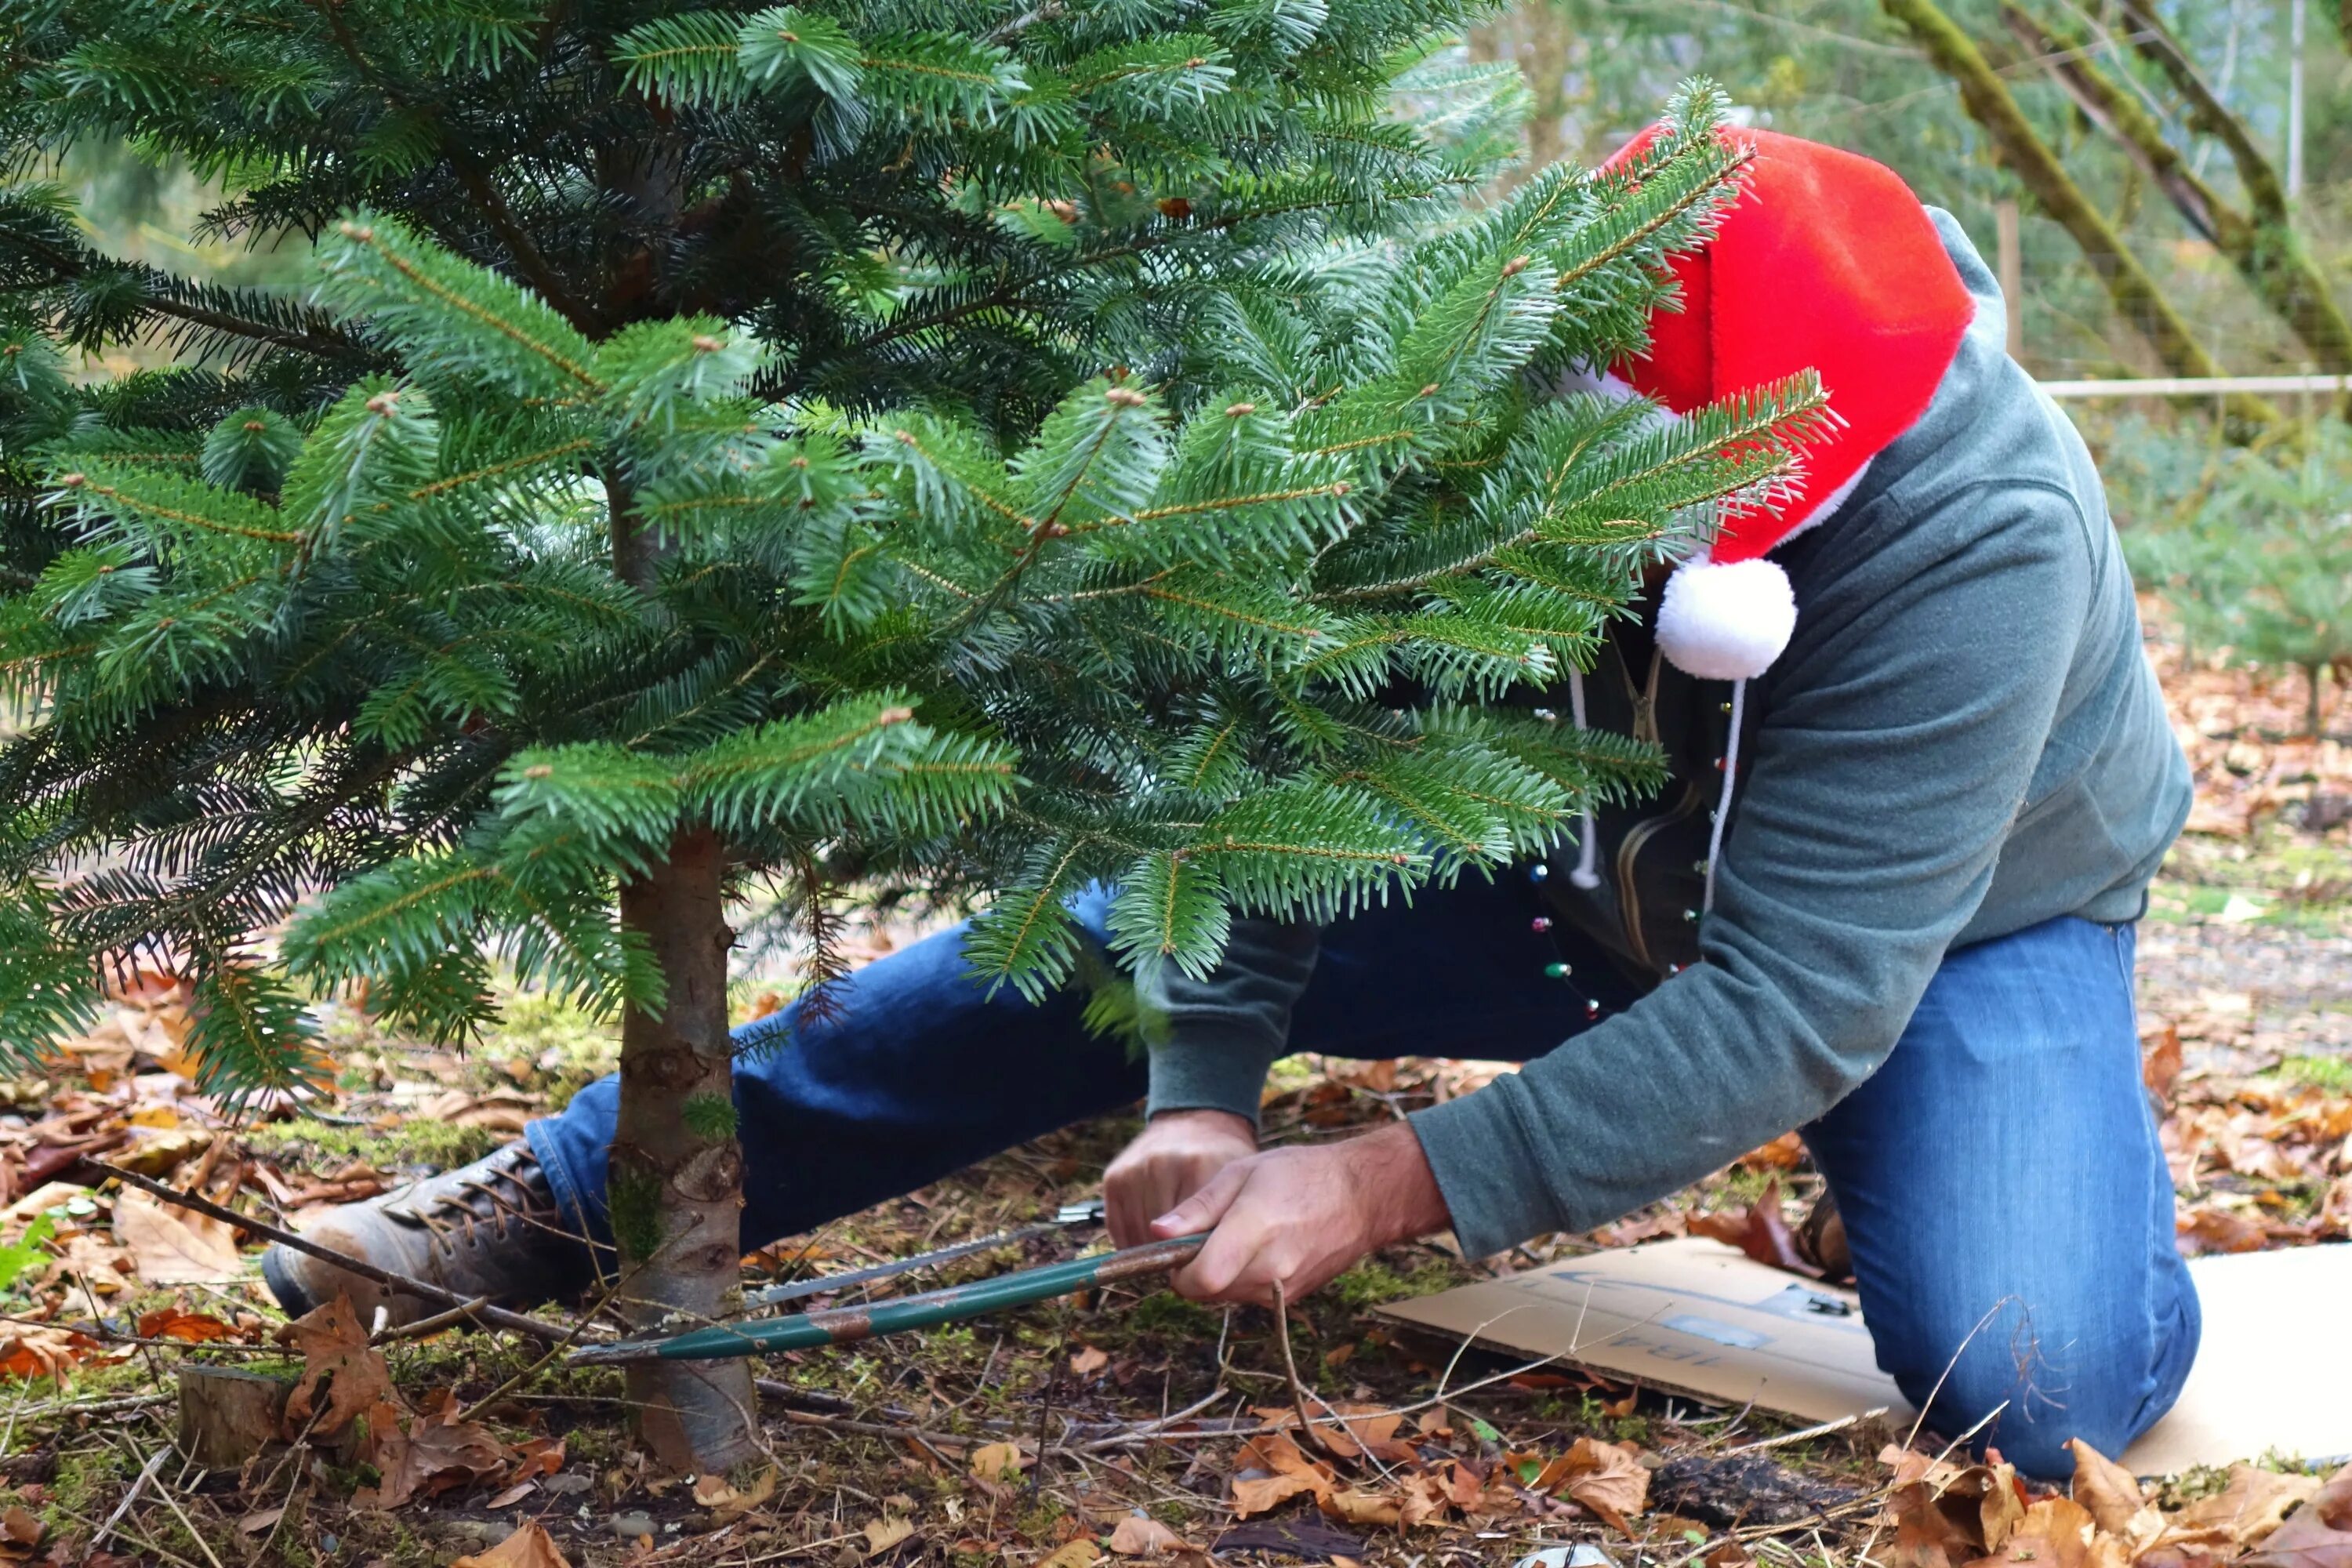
column 1726, row 622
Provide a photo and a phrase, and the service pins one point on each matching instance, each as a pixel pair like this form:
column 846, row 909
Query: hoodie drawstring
column 1723, row 802
column 1588, row 836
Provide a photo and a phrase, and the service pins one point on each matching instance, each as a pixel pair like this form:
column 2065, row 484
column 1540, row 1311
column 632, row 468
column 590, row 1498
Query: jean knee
column 2027, row 1390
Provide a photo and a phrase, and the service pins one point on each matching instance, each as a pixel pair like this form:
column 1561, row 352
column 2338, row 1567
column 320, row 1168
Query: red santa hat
column 1827, row 262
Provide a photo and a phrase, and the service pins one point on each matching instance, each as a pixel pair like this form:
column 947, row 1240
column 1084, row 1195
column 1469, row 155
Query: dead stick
column 490, row 1317
column 131, row 1496
column 1290, row 1365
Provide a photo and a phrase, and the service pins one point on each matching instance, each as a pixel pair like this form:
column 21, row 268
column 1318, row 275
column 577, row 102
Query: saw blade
column 1065, row 1218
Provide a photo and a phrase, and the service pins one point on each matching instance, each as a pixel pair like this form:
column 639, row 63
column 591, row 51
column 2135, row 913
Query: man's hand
column 1300, row 1215
column 1173, row 1157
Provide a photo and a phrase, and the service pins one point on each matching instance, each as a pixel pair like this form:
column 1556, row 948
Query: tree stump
column 227, row 1417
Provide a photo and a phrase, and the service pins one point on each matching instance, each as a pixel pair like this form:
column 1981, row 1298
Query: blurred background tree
column 2168, row 121
column 2250, row 547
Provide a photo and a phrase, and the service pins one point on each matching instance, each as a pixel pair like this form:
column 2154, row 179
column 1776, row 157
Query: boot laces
column 503, row 1198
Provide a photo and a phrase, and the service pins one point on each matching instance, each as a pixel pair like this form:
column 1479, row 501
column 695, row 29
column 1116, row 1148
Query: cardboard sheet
column 1696, row 1316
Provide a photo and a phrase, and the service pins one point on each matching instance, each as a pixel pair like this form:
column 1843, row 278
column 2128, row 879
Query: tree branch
column 2207, row 113
column 2134, row 292
column 2264, row 249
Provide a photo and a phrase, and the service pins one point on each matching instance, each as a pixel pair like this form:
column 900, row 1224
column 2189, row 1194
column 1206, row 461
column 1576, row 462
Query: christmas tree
column 2251, row 547
column 977, row 449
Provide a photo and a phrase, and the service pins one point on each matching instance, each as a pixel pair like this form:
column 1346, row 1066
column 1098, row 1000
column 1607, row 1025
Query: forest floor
column 1042, row 1437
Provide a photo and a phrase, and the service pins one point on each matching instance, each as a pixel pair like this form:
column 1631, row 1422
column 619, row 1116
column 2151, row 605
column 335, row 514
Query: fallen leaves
column 882, row 1534
column 2319, row 1536
column 436, row 1453
column 175, row 1247
column 1081, row 1552
column 1975, row 1516
column 1137, row 1536
column 336, row 1357
column 996, row 1462
column 44, row 1351
column 1607, row 1477
column 188, row 1328
column 1609, row 1481
column 1760, row 1231
column 529, row 1547
column 728, row 1502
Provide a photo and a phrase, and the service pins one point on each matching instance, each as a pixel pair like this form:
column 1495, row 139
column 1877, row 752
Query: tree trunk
column 674, row 1186
column 2135, row 293
column 675, row 1189
column 2311, row 715
column 2262, row 246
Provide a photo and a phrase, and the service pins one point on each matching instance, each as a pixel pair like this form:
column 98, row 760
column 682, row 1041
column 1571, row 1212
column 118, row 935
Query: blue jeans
column 2006, row 1200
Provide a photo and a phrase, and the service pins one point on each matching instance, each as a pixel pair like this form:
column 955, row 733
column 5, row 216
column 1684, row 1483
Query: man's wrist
column 1207, row 1116
column 1391, row 1164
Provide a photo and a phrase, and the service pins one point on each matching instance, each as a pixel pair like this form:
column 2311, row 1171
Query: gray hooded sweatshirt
column 1963, row 738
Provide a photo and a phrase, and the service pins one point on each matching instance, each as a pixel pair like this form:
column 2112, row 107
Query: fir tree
column 956, row 446
column 2250, row 546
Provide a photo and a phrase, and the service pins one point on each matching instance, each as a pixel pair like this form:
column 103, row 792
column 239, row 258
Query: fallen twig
column 1823, row 1430
column 1290, row 1369
column 130, row 1495
column 432, row 1325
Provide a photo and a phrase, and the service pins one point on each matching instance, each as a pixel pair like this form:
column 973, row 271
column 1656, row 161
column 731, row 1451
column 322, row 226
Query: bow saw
column 842, row 1325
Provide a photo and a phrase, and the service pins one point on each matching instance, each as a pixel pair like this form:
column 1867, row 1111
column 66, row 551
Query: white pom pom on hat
column 1726, row 620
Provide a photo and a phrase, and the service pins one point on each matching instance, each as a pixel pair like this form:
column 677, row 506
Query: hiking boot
column 1821, row 1240
column 491, row 1228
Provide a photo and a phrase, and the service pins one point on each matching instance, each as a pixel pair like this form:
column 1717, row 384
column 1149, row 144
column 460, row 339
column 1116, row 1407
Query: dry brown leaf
column 2159, row 1044
column 44, row 1352
column 2242, row 1514
column 334, row 1345
column 191, row 1328
column 1136, row 1536
column 529, row 1547
column 537, row 1457
column 881, row 1534
column 1261, row 1494
column 2205, row 1231
column 1606, row 1478
column 1910, row 1465
column 2113, row 1495
column 2053, row 1533
column 1925, row 1535
column 731, row 1502
column 173, row 1246
column 1425, row 1500
column 1945, row 1519
column 20, row 1528
column 511, row 1496
column 260, row 1519
column 1362, row 1508
column 993, row 1462
column 1078, row 1554
column 434, row 1456
column 2317, row 1535
column 1761, row 1233
column 1785, row 1152
column 1089, row 1360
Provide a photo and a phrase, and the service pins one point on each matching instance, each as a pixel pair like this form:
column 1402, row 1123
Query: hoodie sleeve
column 1213, row 1039
column 1898, row 744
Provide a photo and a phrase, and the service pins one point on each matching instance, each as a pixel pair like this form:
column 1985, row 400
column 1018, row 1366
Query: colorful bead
column 1592, row 1009
column 1538, row 871
column 1556, row 971
column 1540, row 924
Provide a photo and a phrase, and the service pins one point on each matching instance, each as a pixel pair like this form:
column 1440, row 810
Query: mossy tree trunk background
column 2135, row 293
